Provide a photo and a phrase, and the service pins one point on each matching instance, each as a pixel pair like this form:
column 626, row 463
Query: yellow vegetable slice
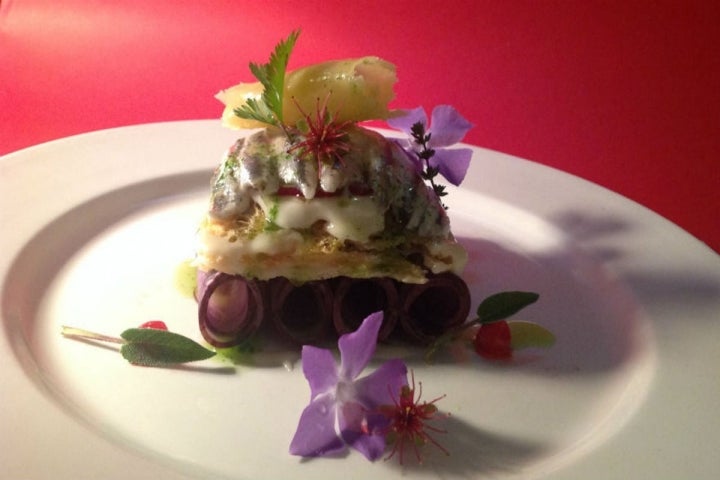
column 356, row 90
column 235, row 97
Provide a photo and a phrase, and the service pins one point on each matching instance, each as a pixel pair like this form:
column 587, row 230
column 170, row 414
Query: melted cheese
column 346, row 218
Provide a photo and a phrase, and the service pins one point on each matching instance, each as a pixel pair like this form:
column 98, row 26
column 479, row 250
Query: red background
column 623, row 93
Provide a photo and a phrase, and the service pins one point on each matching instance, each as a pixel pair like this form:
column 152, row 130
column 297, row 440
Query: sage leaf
column 503, row 305
column 159, row 348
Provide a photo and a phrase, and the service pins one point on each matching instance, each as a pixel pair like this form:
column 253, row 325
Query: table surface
column 624, row 94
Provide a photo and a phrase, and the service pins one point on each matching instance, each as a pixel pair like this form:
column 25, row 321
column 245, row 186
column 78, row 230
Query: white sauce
column 347, row 218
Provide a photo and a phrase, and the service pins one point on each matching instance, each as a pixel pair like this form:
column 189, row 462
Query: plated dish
column 101, row 221
column 315, row 221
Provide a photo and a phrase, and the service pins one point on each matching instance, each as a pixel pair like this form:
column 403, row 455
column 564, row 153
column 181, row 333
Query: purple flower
column 447, row 127
column 343, row 409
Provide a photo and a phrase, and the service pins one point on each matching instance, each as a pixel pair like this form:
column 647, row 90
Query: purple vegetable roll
column 431, row 308
column 301, row 313
column 355, row 299
column 230, row 307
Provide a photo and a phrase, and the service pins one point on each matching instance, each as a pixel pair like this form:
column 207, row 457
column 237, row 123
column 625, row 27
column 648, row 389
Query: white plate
column 94, row 226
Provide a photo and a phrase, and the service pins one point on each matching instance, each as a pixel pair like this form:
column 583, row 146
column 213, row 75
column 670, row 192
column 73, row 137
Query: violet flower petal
column 452, row 163
column 447, row 127
column 379, row 387
column 358, row 347
column 413, row 160
column 409, row 118
column 315, row 434
column 358, row 433
column 359, row 426
column 320, row 369
column 372, row 446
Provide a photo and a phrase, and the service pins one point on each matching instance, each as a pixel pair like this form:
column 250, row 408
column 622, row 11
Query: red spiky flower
column 325, row 139
column 408, row 422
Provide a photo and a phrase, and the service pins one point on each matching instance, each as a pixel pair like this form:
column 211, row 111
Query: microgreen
column 148, row 347
column 269, row 108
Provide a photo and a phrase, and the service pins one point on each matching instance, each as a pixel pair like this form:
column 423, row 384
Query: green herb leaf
column 528, row 334
column 503, row 305
column 157, row 348
column 272, row 77
column 254, row 110
column 270, row 225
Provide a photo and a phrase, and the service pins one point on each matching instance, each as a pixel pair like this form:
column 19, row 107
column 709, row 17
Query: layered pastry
column 315, row 221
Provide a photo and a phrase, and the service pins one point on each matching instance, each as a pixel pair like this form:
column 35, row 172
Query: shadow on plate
column 472, row 452
column 601, row 238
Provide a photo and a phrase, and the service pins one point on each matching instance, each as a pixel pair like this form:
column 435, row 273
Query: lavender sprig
column 422, row 139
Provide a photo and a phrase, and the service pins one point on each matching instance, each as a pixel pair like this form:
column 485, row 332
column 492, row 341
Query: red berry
column 493, row 341
column 154, row 324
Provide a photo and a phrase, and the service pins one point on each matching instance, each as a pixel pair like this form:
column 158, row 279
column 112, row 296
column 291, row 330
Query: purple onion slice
column 432, row 308
column 301, row 313
column 201, row 279
column 357, row 298
column 230, row 308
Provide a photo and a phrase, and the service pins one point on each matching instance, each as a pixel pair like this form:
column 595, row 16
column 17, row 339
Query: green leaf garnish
column 494, row 308
column 269, row 109
column 159, row 348
column 148, row 347
column 503, row 305
column 256, row 110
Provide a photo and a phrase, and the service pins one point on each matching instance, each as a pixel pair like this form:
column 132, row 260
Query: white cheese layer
column 346, row 218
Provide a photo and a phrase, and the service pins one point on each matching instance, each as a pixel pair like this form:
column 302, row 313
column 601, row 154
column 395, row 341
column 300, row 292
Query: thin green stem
column 448, row 337
column 74, row 332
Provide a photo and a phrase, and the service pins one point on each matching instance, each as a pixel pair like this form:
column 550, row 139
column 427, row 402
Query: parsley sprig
column 269, row 108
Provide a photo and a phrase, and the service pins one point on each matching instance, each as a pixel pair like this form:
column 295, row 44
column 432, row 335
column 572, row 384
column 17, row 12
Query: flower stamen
column 325, row 139
column 408, row 418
